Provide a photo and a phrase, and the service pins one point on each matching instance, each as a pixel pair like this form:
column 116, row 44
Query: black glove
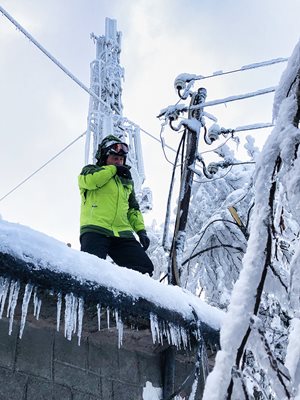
column 123, row 171
column 144, row 240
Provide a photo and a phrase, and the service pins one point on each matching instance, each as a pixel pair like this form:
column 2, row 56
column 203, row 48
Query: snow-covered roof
column 87, row 276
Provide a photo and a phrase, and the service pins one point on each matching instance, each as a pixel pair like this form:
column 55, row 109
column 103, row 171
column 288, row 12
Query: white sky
column 42, row 109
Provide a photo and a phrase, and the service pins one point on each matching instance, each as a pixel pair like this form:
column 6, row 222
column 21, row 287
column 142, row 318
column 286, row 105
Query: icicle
column 184, row 337
column 154, row 328
column 80, row 318
column 99, row 315
column 74, row 313
column 26, row 299
column 58, row 308
column 37, row 303
column 11, row 291
column 120, row 333
column 68, row 314
column 167, row 330
column 175, row 335
column 13, row 295
column 168, row 334
column 152, row 322
column 108, row 316
column 120, row 327
column 189, row 341
column 161, row 333
column 4, row 286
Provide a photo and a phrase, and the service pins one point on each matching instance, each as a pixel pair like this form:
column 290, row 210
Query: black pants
column 126, row 252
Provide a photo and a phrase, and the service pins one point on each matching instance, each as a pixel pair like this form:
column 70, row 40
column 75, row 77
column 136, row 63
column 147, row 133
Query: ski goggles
column 118, row 148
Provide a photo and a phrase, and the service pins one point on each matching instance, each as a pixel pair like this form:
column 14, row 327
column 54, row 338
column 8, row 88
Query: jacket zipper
column 118, row 187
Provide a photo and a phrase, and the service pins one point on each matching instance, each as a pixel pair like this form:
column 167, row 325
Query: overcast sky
column 43, row 110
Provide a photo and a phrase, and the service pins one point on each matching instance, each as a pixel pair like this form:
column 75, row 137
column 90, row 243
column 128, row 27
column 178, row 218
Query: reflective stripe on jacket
column 108, row 203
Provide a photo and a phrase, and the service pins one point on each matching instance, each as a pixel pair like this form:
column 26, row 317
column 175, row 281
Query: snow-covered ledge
column 82, row 280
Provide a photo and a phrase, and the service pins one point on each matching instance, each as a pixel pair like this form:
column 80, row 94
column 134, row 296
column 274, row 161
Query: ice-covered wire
column 58, row 154
column 243, row 162
column 167, row 218
column 155, row 138
column 42, row 166
column 216, row 148
column 50, row 56
column 229, row 99
column 244, row 68
column 163, row 145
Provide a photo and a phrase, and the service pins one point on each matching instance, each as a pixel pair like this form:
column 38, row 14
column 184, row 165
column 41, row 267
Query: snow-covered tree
column 217, row 232
column 258, row 339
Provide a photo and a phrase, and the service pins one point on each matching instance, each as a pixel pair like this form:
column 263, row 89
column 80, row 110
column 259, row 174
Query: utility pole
column 186, row 182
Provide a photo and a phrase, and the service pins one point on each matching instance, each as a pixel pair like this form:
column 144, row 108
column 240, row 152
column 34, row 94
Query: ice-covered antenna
column 105, row 80
column 106, row 117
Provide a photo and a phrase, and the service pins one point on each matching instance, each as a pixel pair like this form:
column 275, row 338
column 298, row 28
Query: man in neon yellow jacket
column 110, row 213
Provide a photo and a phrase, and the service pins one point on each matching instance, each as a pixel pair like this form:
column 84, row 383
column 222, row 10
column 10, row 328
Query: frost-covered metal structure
column 105, row 117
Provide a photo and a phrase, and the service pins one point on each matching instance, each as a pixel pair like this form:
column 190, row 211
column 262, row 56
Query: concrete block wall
column 45, row 365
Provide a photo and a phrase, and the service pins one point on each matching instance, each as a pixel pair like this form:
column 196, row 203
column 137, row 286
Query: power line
column 41, row 167
column 243, row 68
column 261, row 125
column 52, row 58
column 237, row 97
column 158, row 140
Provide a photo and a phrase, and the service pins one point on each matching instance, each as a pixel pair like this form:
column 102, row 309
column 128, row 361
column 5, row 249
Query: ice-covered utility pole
column 192, row 130
column 189, row 150
column 105, row 117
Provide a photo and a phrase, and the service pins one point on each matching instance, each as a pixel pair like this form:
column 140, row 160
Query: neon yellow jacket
column 108, row 203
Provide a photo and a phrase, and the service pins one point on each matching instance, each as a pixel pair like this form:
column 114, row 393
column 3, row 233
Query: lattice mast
column 106, row 117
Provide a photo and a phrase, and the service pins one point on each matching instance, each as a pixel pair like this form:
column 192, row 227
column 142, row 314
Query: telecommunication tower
column 106, row 117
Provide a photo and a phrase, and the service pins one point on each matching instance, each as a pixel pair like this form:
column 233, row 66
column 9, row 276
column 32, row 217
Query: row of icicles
column 73, row 315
